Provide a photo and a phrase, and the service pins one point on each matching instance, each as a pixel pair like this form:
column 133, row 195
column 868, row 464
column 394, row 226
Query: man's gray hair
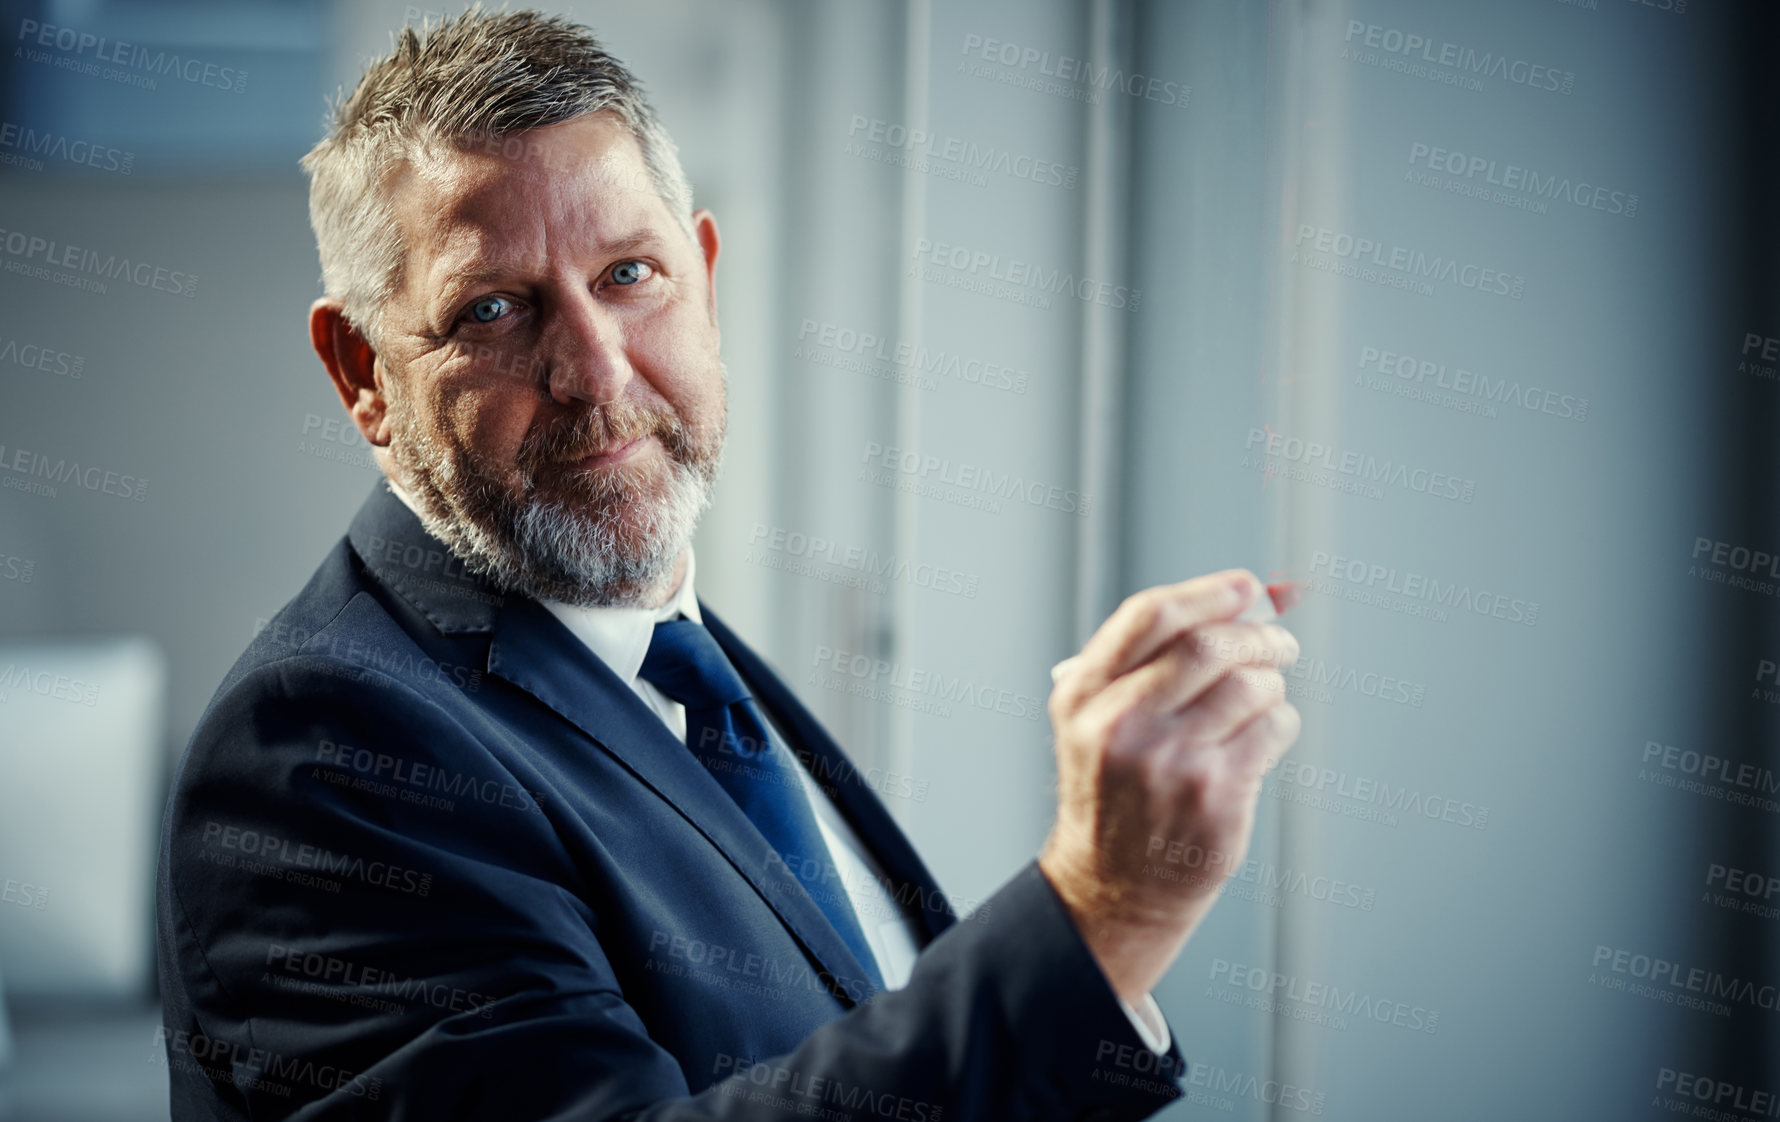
column 472, row 80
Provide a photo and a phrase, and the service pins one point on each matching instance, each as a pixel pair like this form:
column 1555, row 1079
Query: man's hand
column 1165, row 724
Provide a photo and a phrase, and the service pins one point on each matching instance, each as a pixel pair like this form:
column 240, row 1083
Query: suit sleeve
column 335, row 948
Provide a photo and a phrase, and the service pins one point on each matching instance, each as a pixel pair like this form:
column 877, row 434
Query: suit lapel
column 864, row 811
column 534, row 651
column 531, row 648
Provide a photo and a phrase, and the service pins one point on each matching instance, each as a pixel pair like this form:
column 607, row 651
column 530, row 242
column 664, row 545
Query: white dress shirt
column 620, row 638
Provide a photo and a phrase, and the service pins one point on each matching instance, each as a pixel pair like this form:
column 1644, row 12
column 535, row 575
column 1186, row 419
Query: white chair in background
column 82, row 776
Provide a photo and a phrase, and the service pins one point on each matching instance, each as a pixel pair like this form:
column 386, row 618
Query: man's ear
column 352, row 365
column 704, row 226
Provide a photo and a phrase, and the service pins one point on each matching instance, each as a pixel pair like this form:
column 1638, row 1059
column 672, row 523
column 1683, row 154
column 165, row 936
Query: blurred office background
column 1462, row 310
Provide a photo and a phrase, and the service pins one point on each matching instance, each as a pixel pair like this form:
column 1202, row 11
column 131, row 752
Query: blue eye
column 630, row 272
column 489, row 308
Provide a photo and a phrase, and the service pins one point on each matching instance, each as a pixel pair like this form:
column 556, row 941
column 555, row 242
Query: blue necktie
column 727, row 733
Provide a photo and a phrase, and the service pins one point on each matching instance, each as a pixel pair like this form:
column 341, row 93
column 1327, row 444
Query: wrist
column 1132, row 944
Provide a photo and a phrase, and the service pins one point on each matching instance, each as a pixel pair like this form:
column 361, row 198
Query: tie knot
column 685, row 663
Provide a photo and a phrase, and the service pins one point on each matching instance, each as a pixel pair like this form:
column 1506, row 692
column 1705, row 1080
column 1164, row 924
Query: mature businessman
column 497, row 820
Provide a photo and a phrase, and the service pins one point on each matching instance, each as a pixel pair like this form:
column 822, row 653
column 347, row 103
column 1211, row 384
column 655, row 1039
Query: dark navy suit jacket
column 427, row 858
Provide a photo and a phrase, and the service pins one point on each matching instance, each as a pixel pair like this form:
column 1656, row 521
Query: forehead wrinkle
column 470, row 252
column 470, row 228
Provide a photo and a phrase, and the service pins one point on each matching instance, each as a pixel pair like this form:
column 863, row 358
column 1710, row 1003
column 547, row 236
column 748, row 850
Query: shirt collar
column 619, row 636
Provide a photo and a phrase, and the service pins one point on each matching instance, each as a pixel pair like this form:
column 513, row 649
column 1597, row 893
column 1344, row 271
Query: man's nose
column 588, row 361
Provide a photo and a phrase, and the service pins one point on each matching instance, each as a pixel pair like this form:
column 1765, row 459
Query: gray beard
column 616, row 549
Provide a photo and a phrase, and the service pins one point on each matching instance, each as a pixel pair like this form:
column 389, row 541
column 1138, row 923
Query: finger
column 1242, row 644
column 1258, row 745
column 1149, row 620
column 1196, row 661
column 1237, row 698
column 1062, row 668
